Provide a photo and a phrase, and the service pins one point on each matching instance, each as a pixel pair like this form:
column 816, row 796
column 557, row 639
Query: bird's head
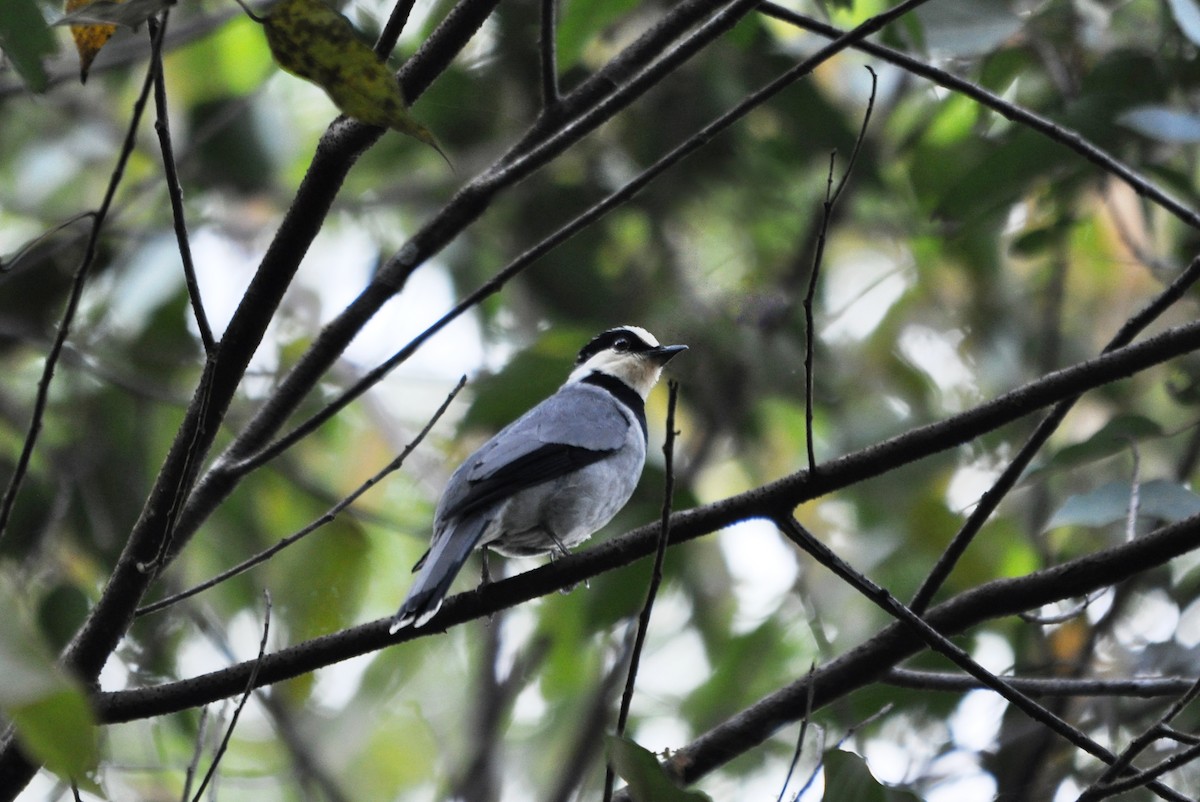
column 628, row 353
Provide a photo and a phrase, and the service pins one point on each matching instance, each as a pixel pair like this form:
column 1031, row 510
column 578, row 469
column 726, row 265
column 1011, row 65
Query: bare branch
column 799, row 750
column 190, row 775
column 1104, row 785
column 162, row 127
column 390, row 34
column 999, row 598
column 1137, row 687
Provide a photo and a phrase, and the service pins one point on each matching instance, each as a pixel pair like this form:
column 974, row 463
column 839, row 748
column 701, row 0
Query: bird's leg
column 562, row 552
column 485, row 574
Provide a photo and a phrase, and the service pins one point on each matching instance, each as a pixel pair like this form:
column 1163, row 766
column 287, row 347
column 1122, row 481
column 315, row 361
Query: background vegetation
column 1023, row 190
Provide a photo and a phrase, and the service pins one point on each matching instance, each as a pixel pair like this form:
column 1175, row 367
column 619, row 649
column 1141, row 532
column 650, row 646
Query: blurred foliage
column 967, row 256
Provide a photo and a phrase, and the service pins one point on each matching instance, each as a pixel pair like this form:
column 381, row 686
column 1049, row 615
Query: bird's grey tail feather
column 439, row 566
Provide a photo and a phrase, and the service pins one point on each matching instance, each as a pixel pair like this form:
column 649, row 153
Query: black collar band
column 623, row 393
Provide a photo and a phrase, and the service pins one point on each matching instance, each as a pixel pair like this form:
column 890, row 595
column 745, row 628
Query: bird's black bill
column 665, row 353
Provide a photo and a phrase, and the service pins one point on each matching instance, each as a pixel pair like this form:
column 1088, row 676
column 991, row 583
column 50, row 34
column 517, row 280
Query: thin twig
column 329, row 515
column 656, row 577
column 77, row 285
column 162, row 127
column 1143, row 778
column 190, row 775
column 810, row 331
column 572, row 770
column 846, row 736
column 237, row 711
column 249, row 13
column 1136, row 687
column 1060, row 618
column 14, row 260
column 187, row 477
column 1098, row 790
column 1012, row 473
column 799, row 750
column 1135, row 492
column 390, row 34
column 943, row 645
column 810, row 328
column 548, row 49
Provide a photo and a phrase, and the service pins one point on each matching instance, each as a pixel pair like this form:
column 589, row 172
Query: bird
column 551, row 478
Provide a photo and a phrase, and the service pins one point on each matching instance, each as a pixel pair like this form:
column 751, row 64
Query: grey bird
column 554, row 476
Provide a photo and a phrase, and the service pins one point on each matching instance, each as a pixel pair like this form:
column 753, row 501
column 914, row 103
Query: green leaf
column 310, row 39
column 1158, row 499
column 847, row 779
column 648, row 781
column 26, row 39
column 60, row 731
column 51, row 714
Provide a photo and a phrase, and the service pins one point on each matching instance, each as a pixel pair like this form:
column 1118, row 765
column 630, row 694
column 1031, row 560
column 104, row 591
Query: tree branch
column 858, row 667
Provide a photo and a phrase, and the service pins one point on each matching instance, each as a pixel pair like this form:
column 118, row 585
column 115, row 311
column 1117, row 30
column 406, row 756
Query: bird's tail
column 439, row 566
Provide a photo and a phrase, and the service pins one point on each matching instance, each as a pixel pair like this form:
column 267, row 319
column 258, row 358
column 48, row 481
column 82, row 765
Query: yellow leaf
column 88, row 38
column 312, row 40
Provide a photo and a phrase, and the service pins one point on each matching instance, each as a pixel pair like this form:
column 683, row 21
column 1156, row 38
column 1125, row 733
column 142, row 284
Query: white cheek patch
column 637, row 371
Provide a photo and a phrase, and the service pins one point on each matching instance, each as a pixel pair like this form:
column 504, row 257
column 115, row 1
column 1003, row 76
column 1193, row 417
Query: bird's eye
column 621, row 344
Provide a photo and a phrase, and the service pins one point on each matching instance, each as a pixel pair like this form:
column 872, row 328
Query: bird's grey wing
column 570, row 430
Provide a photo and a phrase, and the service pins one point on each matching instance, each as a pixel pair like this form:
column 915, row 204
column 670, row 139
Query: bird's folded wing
column 577, row 426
